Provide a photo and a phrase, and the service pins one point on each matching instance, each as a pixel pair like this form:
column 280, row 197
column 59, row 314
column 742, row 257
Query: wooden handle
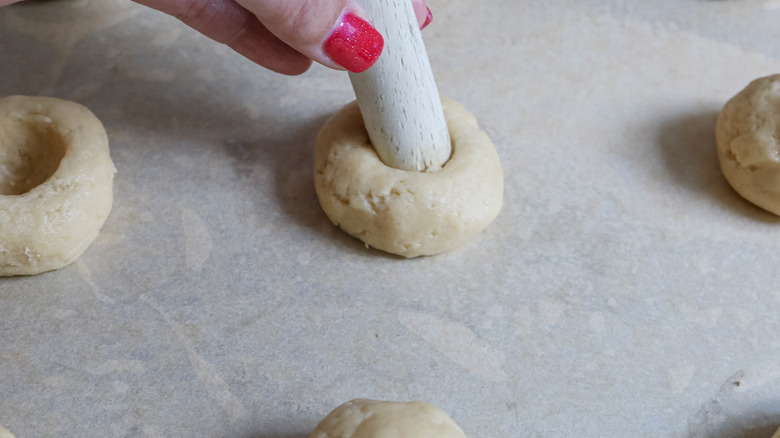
column 398, row 97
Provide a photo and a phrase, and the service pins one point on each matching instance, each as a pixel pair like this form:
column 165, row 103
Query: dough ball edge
column 343, row 143
column 751, row 172
column 54, row 223
column 361, row 417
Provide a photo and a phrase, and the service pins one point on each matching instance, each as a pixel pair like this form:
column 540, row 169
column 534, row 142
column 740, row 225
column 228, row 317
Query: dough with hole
column 362, row 418
column 56, row 182
column 404, row 212
column 748, row 137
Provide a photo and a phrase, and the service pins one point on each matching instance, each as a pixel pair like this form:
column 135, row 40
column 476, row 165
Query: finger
column 225, row 21
column 423, row 14
column 333, row 32
column 8, row 2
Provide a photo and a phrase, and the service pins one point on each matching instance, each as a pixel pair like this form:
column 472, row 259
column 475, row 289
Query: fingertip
column 353, row 43
column 273, row 55
column 428, row 19
column 296, row 68
column 422, row 13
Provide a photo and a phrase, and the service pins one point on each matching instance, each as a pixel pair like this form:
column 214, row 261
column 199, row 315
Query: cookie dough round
column 5, row 433
column 402, row 212
column 362, row 418
column 748, row 137
column 56, row 183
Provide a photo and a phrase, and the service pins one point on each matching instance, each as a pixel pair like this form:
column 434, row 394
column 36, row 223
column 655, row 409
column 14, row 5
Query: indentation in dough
column 407, row 213
column 30, row 153
column 56, row 180
column 458, row 344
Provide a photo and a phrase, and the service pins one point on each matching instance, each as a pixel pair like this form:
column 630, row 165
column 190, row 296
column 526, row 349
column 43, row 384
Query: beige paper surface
column 624, row 290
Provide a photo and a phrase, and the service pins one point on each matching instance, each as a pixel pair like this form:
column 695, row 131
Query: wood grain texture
column 398, row 96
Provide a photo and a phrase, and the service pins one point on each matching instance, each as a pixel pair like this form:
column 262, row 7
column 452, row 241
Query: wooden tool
column 398, row 97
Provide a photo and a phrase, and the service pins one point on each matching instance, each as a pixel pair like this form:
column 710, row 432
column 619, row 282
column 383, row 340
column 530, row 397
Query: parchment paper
column 624, row 290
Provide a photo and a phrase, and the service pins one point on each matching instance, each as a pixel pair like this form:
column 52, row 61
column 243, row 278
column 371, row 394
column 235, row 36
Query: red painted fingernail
column 353, row 44
column 428, row 19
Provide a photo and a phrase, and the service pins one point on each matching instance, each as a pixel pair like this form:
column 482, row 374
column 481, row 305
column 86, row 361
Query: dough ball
column 748, row 137
column 4, row 433
column 56, row 182
column 362, row 418
column 402, row 212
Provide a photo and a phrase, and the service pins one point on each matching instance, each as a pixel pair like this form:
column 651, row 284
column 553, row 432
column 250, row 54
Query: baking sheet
column 624, row 290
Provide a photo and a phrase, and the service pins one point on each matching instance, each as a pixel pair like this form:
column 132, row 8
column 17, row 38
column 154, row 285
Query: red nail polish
column 354, row 44
column 428, row 19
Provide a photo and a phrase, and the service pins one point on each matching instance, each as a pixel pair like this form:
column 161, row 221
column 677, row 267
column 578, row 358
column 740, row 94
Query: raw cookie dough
column 4, row 433
column 748, row 135
column 401, row 212
column 362, row 418
column 56, row 180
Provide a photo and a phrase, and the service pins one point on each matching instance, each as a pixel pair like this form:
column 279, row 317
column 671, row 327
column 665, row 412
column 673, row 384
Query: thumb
column 334, row 33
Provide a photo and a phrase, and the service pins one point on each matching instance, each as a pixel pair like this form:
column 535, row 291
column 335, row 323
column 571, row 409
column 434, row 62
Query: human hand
column 287, row 35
